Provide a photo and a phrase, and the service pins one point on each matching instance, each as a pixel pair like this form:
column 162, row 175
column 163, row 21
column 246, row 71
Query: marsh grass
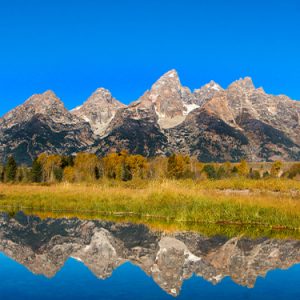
column 267, row 206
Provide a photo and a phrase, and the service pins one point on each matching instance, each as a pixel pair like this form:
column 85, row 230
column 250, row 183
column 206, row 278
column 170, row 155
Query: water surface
column 92, row 259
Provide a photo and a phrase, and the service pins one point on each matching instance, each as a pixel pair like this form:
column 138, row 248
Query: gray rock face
column 168, row 99
column 172, row 102
column 208, row 137
column 265, row 120
column 205, row 93
column 98, row 110
column 43, row 246
column 211, row 123
column 42, row 124
column 280, row 112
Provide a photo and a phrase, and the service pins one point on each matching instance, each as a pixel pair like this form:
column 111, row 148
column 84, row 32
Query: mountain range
column 170, row 258
column 210, row 123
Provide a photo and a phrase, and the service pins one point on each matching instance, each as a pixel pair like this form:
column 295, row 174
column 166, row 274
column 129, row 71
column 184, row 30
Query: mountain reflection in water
column 45, row 246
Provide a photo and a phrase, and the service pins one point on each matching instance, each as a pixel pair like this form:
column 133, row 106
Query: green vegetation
column 11, row 169
column 86, row 167
column 175, row 201
column 177, row 190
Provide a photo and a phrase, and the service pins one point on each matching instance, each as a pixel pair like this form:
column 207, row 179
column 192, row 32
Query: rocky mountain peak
column 48, row 97
column 98, row 110
column 212, row 123
column 214, row 86
column 101, row 95
column 206, row 92
column 169, row 79
column 243, row 83
column 170, row 75
column 46, row 103
column 42, row 124
column 49, row 93
column 211, row 86
column 167, row 97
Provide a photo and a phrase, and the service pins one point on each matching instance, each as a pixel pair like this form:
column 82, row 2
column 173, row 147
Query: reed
column 270, row 203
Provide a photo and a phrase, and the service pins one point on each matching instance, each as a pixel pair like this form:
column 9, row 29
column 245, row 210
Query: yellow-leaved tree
column 276, row 168
column 243, row 168
column 86, row 167
column 51, row 166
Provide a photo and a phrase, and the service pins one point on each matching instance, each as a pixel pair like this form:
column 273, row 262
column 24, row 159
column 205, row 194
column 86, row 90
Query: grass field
column 270, row 205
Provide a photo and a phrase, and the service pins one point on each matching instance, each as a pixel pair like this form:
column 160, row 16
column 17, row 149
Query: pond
column 69, row 258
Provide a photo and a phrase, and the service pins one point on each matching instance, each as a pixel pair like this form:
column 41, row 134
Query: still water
column 86, row 259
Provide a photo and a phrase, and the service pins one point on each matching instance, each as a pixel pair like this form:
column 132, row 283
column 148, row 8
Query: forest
column 86, row 167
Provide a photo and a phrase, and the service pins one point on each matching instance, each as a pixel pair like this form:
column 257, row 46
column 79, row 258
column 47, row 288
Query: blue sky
column 74, row 47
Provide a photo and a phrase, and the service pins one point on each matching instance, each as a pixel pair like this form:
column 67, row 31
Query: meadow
column 269, row 206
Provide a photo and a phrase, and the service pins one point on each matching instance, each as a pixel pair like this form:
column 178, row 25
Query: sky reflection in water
column 138, row 263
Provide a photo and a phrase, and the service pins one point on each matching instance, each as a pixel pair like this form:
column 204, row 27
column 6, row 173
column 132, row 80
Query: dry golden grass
column 272, row 203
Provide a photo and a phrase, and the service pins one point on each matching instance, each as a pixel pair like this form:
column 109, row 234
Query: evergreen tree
column 210, row 171
column 20, row 176
column 172, row 166
column 36, row 171
column 266, row 174
column 2, row 169
column 67, row 161
column 97, row 173
column 11, row 169
column 294, row 170
column 254, row 174
column 234, row 170
column 221, row 173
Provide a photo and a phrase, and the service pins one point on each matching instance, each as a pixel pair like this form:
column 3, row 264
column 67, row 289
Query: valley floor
column 270, row 206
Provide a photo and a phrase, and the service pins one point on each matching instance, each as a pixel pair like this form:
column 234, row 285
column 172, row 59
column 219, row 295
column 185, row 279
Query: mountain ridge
column 211, row 123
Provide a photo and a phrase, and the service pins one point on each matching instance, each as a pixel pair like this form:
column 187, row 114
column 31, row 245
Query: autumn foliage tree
column 82, row 167
column 179, row 166
column 123, row 166
column 69, row 174
column 86, row 167
column 51, row 166
column 243, row 168
column 276, row 168
column 293, row 171
column 158, row 167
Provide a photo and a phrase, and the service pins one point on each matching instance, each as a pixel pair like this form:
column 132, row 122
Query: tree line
column 48, row 168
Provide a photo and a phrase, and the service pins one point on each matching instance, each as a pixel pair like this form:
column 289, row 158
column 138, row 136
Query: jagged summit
column 42, row 124
column 244, row 83
column 213, row 85
column 211, row 123
column 49, row 93
column 206, row 92
column 168, row 98
column 46, row 103
column 170, row 74
column 98, row 110
column 48, row 96
column 170, row 79
column 101, row 94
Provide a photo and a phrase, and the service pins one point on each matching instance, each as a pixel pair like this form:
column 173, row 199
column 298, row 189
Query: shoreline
column 178, row 202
